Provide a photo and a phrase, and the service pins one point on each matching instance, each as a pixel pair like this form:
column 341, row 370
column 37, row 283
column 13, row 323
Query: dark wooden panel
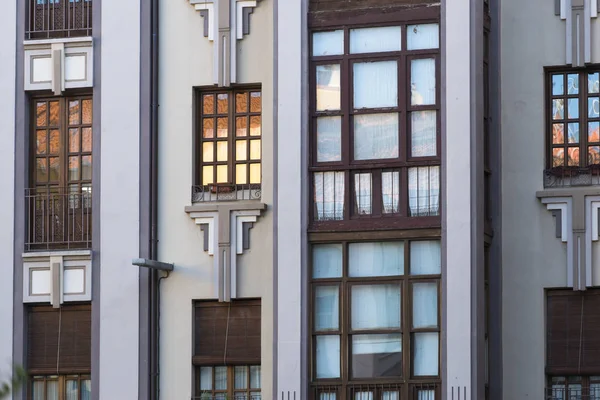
column 347, row 5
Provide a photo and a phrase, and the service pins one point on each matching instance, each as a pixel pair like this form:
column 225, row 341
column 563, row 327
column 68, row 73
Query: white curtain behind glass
column 375, row 136
column 390, row 188
column 375, row 306
column 86, row 390
column 375, row 84
column 327, row 261
column 38, row 390
column 327, row 307
column 390, row 396
column 328, row 357
column 52, row 390
column 426, row 395
column 376, row 259
column 422, row 81
column 425, row 257
column 363, row 396
column 424, row 190
column 72, row 390
column 206, row 378
column 377, row 344
column 425, row 305
column 375, row 40
column 362, row 189
column 426, row 346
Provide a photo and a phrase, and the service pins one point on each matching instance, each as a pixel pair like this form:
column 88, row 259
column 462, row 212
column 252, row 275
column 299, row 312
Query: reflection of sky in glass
column 594, row 83
column 558, row 109
column 594, row 131
column 423, row 81
column 594, row 107
column 572, row 84
column 558, row 85
column 329, row 140
column 574, row 132
column 573, row 108
column 558, row 133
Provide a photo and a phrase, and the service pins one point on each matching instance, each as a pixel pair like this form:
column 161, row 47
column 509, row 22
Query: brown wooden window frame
column 583, row 119
column 230, row 392
column 349, row 216
column 232, row 114
column 346, row 387
column 61, row 382
column 573, row 387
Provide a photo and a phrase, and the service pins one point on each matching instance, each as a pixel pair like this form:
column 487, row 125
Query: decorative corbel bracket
column 225, row 22
column 226, row 228
column 578, row 15
column 592, row 205
column 562, row 209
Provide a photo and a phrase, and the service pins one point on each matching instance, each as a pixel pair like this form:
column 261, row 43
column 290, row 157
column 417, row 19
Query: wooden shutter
column 227, row 333
column 573, row 333
column 59, row 340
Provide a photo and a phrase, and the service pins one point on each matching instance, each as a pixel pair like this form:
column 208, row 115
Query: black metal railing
column 49, row 19
column 420, row 391
column 58, row 219
column 225, row 396
column 207, row 193
column 572, row 176
column 573, row 392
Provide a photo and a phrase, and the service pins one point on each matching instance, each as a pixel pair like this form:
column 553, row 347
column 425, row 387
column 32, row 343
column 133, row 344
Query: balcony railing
column 573, row 392
column 207, row 193
column 58, row 219
column 224, row 396
column 572, row 176
column 49, row 19
column 422, row 391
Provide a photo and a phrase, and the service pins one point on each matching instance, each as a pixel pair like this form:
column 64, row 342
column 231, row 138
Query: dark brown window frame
column 583, row 119
column 377, row 219
column 61, row 381
column 231, row 392
column 345, row 386
column 231, row 116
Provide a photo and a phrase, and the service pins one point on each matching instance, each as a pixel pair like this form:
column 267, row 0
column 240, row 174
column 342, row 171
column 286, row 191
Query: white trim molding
column 57, row 277
column 592, row 205
column 578, row 15
column 565, row 206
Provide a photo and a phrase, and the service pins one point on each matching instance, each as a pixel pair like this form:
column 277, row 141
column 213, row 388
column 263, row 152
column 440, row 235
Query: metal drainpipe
column 154, row 280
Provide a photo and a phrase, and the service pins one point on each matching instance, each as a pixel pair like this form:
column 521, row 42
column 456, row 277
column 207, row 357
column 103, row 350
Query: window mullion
column 583, row 131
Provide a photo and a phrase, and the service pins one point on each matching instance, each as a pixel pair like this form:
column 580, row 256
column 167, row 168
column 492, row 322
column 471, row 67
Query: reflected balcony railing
column 225, row 192
column 572, row 176
column 58, row 219
column 573, row 392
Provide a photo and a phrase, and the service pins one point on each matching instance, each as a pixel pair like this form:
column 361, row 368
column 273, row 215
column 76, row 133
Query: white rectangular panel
column 74, row 280
column 40, row 282
column 75, row 67
column 41, row 69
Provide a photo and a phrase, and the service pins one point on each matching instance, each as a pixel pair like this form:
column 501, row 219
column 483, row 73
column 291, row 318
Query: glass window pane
column 424, row 36
column 573, row 157
column 41, row 169
column 375, row 84
column 208, row 153
column 207, row 174
column 86, row 111
column 573, row 132
column 423, row 191
column 222, row 103
column 72, row 390
column 328, row 357
column 425, row 257
column 86, row 390
column 241, row 126
column 328, row 43
column 390, row 396
column 375, row 136
column 327, row 396
column 422, row 72
column 220, row 378
column 41, row 113
column 206, row 379
column 255, row 129
column 329, row 139
column 327, row 261
column 426, row 394
column 329, row 195
column 54, row 169
column 558, row 109
column 362, row 192
column 255, row 149
column 558, row 84
column 363, row 396
column 376, row 356
column 255, row 377
column 241, row 150
column 241, row 102
column 86, row 168
column 328, row 87
column 54, row 113
column 376, row 306
column 74, row 168
column 376, row 259
column 51, row 390
column 241, row 174
column 594, row 83
column 208, row 101
column 573, row 108
column 423, row 134
column 41, row 141
column 375, row 40
column 425, row 305
column 222, row 129
column 255, row 176
column 222, row 151
column 74, row 112
column 593, row 155
column 73, row 140
column 327, row 308
column 426, row 349
column 222, row 174
column 558, row 133
column 390, row 188
column 208, row 128
column 241, row 377
column 255, row 102
column 38, row 390
column 594, row 132
column 593, row 107
column 54, row 141
column 572, row 84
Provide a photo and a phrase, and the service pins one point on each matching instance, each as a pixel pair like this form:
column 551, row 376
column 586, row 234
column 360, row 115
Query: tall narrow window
column 375, row 122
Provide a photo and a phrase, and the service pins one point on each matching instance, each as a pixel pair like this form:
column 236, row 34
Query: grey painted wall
column 120, row 145
column 8, row 30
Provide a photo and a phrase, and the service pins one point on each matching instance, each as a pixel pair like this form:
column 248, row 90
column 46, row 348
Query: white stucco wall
column 532, row 37
column 8, row 30
column 186, row 61
column 120, row 136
